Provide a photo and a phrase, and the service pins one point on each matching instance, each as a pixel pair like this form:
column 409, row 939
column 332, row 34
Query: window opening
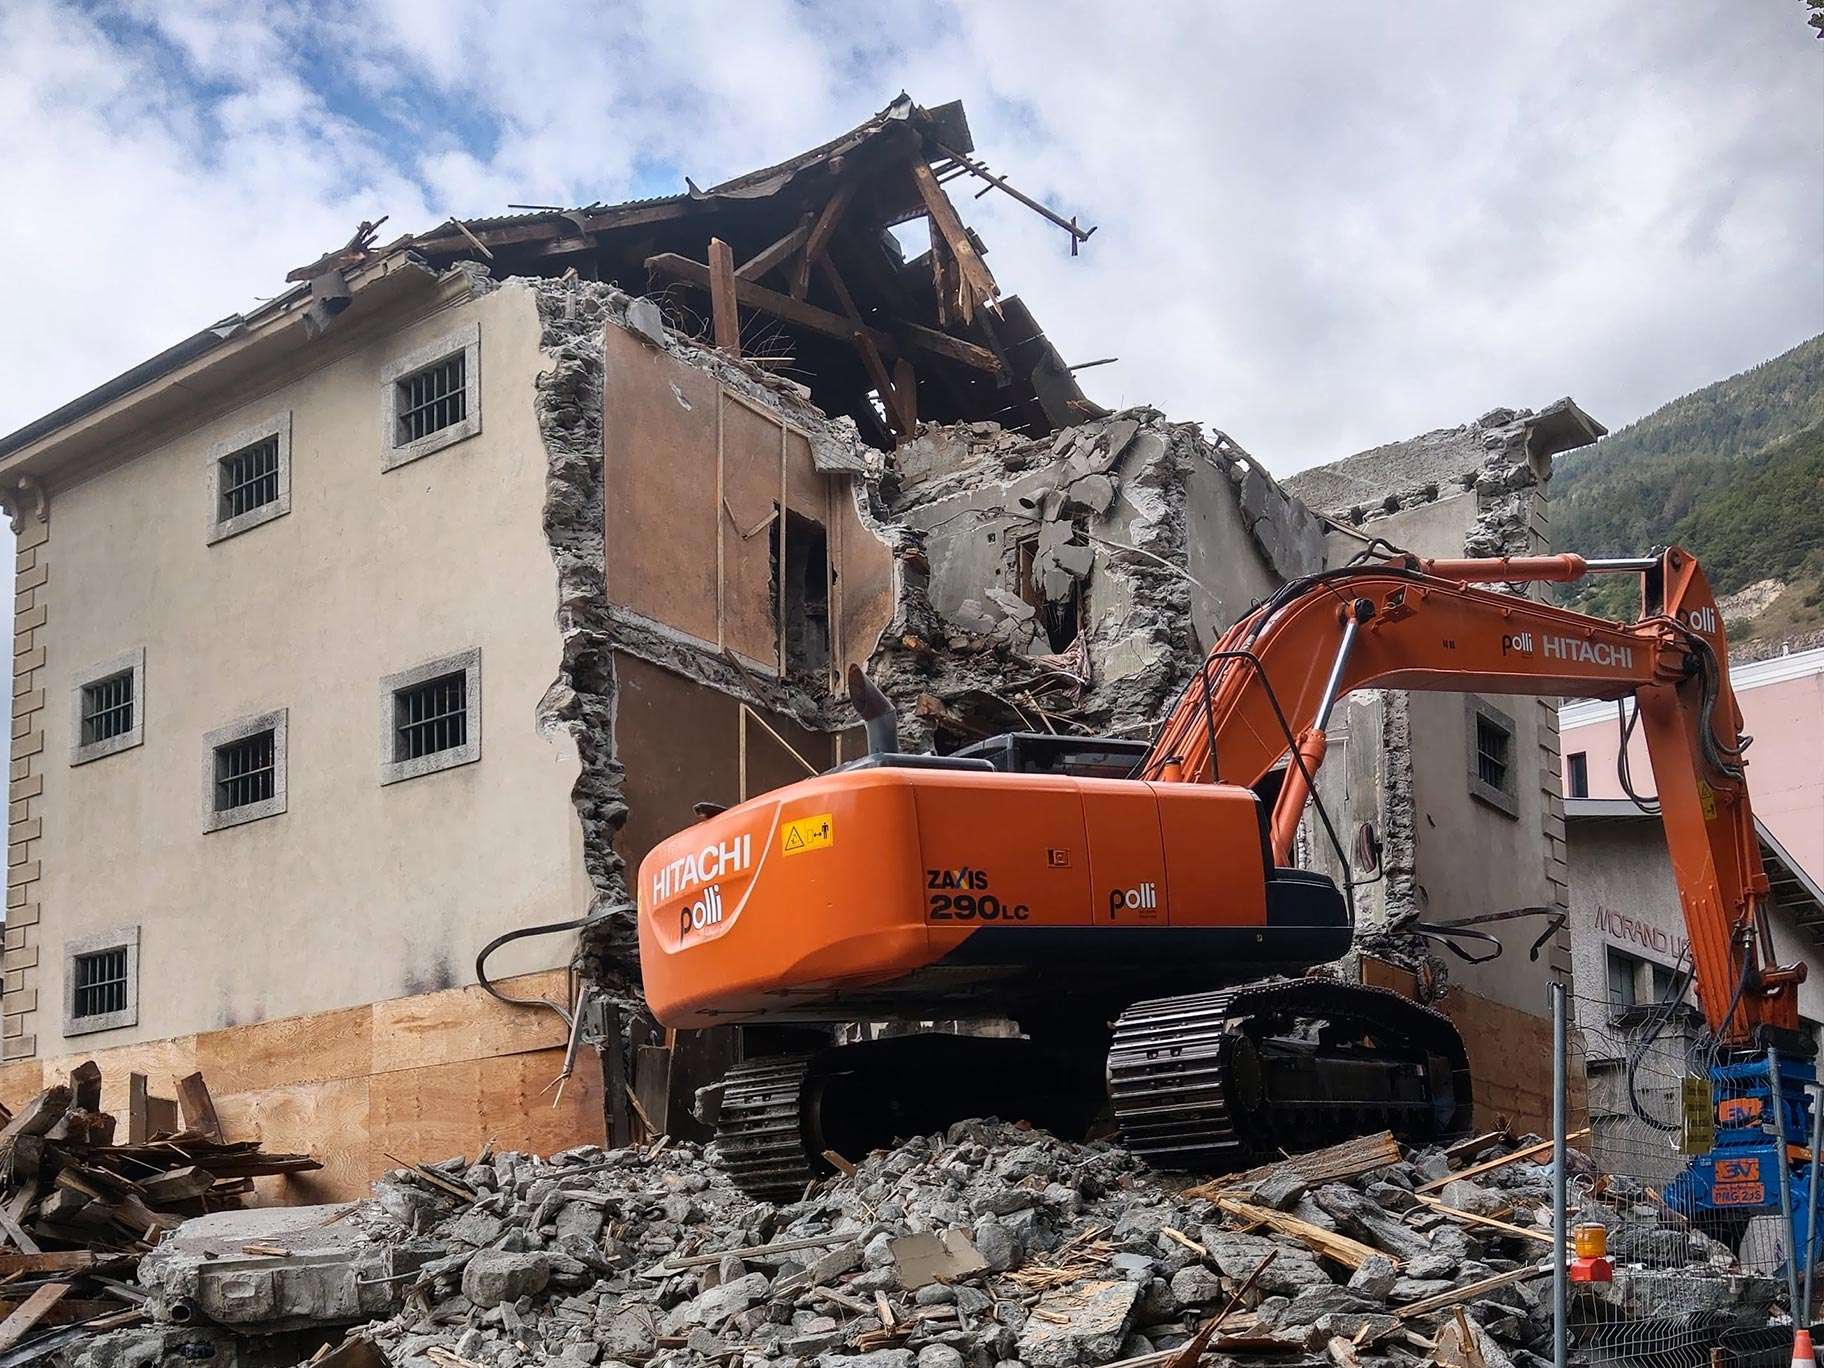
column 249, row 478
column 244, row 772
column 101, row 982
column 431, row 717
column 432, row 399
column 107, row 708
column 1577, row 774
column 801, row 588
column 1492, row 742
column 1623, row 981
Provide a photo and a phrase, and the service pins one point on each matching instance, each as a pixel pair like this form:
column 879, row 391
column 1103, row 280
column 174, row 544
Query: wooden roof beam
column 819, row 239
column 810, row 317
column 977, row 281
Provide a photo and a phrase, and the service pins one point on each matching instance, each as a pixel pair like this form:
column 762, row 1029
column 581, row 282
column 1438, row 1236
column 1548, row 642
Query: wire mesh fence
column 1697, row 1246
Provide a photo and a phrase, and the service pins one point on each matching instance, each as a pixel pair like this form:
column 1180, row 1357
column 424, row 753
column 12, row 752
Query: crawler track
column 1210, row 1082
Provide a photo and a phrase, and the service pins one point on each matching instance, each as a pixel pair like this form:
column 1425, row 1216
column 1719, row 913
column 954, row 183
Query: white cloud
column 1316, row 234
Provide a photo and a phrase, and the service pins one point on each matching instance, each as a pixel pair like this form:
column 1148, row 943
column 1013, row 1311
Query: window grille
column 1492, row 742
column 249, row 478
column 244, row 772
column 431, row 717
column 101, row 982
column 432, row 399
column 107, row 708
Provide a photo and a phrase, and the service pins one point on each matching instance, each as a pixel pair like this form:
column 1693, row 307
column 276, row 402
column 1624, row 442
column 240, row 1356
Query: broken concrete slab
column 1085, row 1324
column 334, row 1273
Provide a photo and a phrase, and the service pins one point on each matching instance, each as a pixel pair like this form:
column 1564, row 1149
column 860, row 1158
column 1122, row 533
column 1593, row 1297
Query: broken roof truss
column 800, row 270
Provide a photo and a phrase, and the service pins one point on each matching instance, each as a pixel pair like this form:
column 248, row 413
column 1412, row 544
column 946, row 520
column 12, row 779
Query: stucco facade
column 357, row 890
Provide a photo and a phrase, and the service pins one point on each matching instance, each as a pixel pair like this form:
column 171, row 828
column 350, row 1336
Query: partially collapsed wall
column 1072, row 583
column 1069, row 583
column 593, row 619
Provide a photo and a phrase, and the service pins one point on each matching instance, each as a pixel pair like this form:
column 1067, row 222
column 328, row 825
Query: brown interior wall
column 680, row 742
column 751, row 487
column 864, row 588
column 1510, row 1055
column 659, row 476
column 422, row 1078
column 663, row 518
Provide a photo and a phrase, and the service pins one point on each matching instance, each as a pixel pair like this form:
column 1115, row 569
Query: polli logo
column 705, row 911
column 1145, row 898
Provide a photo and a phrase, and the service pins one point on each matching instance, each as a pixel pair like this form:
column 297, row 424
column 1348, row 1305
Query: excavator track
column 1213, row 1081
column 760, row 1131
column 1207, row 1082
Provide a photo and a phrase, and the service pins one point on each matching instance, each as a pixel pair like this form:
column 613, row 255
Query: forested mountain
column 1734, row 472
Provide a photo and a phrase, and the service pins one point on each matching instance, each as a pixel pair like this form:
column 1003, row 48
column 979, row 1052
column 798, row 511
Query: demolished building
column 495, row 551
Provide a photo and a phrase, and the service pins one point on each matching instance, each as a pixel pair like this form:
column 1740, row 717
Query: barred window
column 431, row 717
column 100, row 983
column 107, row 708
column 1491, row 752
column 431, row 399
column 1494, row 765
column 249, row 478
column 244, row 771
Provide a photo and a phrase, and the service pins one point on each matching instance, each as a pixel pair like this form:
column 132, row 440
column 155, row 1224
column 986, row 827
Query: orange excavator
column 1134, row 907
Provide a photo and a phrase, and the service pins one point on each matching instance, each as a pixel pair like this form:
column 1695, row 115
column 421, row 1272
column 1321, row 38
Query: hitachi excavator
column 1134, row 908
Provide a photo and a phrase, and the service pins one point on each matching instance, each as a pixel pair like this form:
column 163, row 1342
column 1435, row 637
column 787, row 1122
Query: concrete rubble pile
column 993, row 1246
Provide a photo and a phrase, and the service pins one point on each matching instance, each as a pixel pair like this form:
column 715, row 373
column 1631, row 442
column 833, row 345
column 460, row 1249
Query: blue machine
column 1739, row 1176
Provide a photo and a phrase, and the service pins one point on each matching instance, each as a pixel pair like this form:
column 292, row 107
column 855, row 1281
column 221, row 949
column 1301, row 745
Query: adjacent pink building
column 1782, row 702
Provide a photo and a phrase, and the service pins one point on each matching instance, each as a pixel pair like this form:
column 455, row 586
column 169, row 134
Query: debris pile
column 990, row 1245
column 77, row 1210
column 66, row 1185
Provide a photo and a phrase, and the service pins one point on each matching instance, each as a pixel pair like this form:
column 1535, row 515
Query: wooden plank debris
column 37, row 1306
column 1350, row 1253
column 977, row 288
column 196, row 1107
column 725, row 316
column 775, row 255
column 1489, row 1166
column 1487, row 1222
column 1469, row 1292
column 1333, row 1164
column 818, row 320
column 819, row 239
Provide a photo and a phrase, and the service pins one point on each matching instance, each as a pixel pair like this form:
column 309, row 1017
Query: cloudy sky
column 1321, row 227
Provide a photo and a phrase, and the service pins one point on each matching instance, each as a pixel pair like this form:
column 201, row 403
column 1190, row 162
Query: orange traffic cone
column 1802, row 1355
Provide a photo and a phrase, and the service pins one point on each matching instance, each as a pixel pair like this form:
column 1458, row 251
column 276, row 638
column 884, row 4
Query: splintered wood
column 1350, row 1159
column 68, row 1192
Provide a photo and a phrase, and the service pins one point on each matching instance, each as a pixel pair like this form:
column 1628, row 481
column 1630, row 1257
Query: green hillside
column 1734, row 471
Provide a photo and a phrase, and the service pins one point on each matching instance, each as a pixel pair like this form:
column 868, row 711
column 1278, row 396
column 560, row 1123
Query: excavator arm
column 1266, row 690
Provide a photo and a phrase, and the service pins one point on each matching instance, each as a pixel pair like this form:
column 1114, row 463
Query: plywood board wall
column 421, row 1077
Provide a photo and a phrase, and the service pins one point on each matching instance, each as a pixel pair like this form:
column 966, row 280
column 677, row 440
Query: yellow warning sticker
column 1706, row 800
column 808, row 833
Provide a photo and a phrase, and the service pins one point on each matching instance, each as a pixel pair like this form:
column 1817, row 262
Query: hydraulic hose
column 521, row 933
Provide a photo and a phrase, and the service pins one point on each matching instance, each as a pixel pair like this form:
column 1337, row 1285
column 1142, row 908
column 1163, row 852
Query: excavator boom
column 1265, row 692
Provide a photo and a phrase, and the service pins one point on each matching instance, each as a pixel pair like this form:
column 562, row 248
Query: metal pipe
column 1621, row 565
column 1069, row 225
column 1560, row 1213
column 1811, row 1198
column 1334, row 684
column 1776, row 1099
